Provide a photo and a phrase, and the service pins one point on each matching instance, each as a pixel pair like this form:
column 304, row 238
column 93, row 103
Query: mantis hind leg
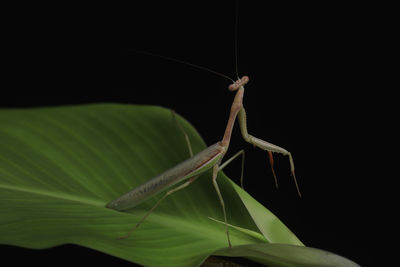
column 170, row 192
column 184, row 133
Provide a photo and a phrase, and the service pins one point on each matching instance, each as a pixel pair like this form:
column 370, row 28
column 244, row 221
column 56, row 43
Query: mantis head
column 239, row 83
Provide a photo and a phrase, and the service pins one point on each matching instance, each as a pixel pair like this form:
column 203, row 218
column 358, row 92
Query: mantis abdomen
column 192, row 166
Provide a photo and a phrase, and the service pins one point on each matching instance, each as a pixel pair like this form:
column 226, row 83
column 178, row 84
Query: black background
column 311, row 91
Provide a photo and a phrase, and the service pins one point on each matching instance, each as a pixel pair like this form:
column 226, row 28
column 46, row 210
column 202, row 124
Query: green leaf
column 243, row 230
column 59, row 167
column 283, row 255
column 269, row 225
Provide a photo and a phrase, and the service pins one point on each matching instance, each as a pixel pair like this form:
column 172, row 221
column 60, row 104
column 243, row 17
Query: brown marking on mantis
column 271, row 162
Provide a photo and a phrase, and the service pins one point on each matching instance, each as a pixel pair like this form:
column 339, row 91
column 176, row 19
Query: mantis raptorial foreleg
column 265, row 146
column 271, row 162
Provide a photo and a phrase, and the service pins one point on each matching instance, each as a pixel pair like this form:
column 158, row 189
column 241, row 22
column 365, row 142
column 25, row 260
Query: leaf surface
column 60, row 166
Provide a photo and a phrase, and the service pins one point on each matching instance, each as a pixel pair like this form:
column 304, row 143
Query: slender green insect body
column 193, row 166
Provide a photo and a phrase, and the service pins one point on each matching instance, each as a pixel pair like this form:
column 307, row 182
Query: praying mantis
column 210, row 158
